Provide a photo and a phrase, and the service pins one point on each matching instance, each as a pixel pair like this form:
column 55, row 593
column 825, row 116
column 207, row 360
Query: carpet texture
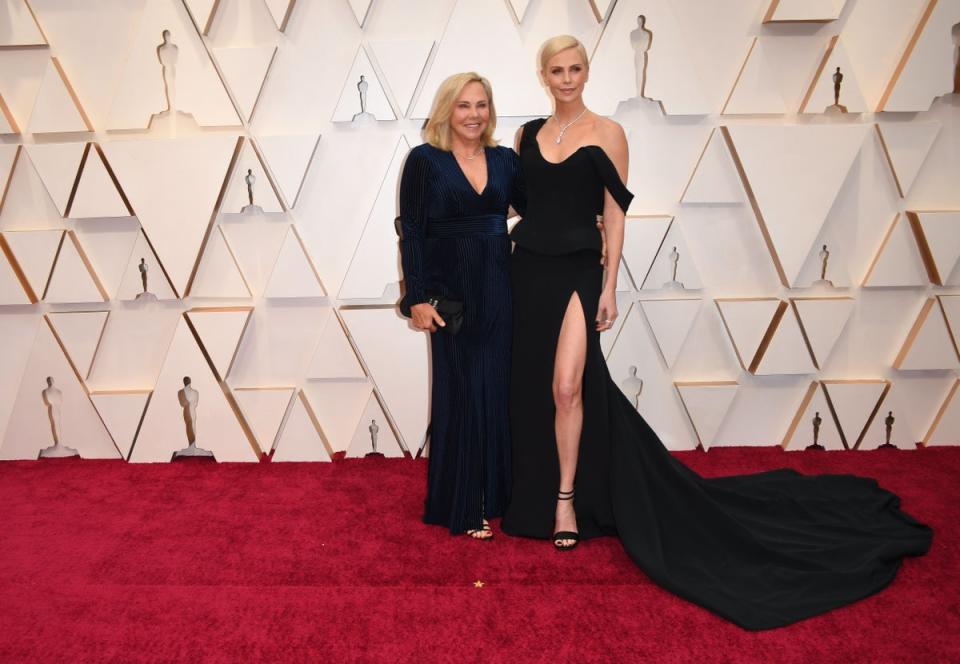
column 197, row 561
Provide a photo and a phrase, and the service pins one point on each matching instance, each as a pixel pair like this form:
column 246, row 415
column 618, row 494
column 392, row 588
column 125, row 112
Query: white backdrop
column 284, row 317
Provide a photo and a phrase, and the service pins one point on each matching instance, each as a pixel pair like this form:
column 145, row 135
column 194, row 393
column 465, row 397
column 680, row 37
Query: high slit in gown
column 762, row 550
column 455, row 244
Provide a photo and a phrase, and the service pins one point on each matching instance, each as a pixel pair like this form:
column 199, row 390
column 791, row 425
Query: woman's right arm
column 413, row 221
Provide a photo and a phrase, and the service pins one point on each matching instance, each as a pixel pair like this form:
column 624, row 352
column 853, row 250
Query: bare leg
column 568, row 399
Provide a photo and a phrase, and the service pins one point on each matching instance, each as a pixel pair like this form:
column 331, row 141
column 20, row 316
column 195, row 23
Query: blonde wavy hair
column 437, row 130
column 561, row 43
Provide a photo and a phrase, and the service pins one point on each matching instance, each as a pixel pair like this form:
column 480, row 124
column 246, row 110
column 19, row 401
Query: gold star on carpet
column 478, row 584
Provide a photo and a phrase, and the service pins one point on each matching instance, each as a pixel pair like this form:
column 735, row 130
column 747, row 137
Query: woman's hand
column 425, row 317
column 603, row 240
column 606, row 310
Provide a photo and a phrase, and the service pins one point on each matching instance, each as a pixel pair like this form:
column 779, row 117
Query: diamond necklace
column 564, row 127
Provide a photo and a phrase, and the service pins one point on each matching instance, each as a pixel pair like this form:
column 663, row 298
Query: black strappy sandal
column 485, row 529
column 565, row 534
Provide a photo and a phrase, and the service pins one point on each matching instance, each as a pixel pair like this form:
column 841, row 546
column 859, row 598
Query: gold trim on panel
column 803, row 329
column 72, row 93
column 263, row 162
column 914, row 331
column 113, row 176
column 883, row 246
column 768, row 336
column 211, row 223
column 76, row 180
column 13, row 170
column 771, row 10
column 18, row 271
column 886, row 153
column 795, row 422
column 203, row 348
column 855, row 444
column 8, row 115
column 933, row 274
column 733, row 341
column 53, row 265
column 755, row 205
column 819, row 72
column 89, row 265
column 305, row 400
column 940, row 413
column 726, row 101
column 906, row 55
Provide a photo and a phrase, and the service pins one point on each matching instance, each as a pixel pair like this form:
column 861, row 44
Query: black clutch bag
column 451, row 311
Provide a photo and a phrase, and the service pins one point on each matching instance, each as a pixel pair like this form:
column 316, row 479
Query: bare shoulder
column 610, row 134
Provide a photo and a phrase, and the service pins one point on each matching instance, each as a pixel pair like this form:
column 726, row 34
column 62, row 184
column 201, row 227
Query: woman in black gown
column 761, row 550
column 454, row 194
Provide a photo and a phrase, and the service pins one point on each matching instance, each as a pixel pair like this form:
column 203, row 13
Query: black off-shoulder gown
column 761, row 550
column 454, row 243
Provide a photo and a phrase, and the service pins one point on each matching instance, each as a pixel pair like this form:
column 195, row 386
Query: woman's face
column 565, row 75
column 471, row 113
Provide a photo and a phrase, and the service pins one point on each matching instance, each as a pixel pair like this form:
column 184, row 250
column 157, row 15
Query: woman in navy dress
column 455, row 192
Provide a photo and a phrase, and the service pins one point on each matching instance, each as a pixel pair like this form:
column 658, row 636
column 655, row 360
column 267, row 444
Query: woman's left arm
column 615, row 145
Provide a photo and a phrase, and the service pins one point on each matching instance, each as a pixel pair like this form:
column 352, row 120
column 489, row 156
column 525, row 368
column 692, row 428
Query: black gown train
column 454, row 243
column 761, row 550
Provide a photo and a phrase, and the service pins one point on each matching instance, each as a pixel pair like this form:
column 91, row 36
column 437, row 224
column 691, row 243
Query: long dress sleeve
column 413, row 221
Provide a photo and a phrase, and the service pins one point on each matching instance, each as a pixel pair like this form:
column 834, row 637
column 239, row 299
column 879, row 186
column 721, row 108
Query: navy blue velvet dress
column 454, row 243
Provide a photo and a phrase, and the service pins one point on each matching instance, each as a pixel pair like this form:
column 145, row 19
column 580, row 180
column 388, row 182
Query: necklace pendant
column 557, row 140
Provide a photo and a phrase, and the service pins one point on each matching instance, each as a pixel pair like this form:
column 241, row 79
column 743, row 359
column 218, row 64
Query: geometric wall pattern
column 205, row 204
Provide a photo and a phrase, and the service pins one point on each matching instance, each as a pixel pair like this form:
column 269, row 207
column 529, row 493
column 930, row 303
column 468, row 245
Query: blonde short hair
column 437, row 130
column 561, row 43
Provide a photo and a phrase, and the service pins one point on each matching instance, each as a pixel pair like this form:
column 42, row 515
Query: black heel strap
column 565, row 495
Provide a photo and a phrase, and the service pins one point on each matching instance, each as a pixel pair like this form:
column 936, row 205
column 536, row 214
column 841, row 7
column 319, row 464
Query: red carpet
column 107, row 561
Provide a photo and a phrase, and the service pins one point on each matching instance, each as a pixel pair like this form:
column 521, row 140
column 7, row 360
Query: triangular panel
column 374, row 422
column 714, row 178
column 56, row 108
column 121, row 412
column 822, row 320
column 642, row 239
column 362, row 74
column 671, row 321
column 376, row 260
column 57, row 165
column 73, row 279
column 263, row 409
column 79, row 332
column 706, row 404
column 288, row 158
column 218, row 274
column 164, row 430
column 294, row 274
column 792, row 175
column 245, row 70
column 747, row 322
column 396, row 357
column 906, row 145
column 96, row 194
column 854, row 404
column 301, row 438
column 173, row 187
column 929, row 344
column 334, row 357
column 237, row 196
column 220, row 330
column 29, row 428
column 402, row 64
column 898, row 261
column 338, row 407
